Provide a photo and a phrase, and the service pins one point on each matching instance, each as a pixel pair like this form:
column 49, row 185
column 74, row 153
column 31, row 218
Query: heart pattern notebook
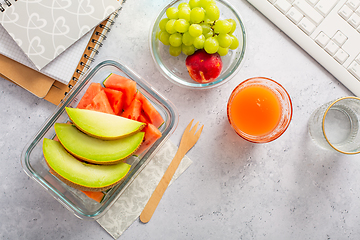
column 45, row 28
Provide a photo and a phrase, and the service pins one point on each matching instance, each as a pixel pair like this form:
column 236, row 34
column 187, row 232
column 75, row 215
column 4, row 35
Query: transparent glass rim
column 323, row 124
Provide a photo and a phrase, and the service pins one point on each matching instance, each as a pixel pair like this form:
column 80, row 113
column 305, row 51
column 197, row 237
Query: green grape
column 188, row 50
column 195, row 30
column 194, row 3
column 184, row 13
column 175, row 39
column 222, row 26
column 170, row 28
column 187, row 39
column 211, row 45
column 199, row 42
column 182, row 5
column 164, row 37
column 233, row 25
column 174, row 51
column 162, row 24
column 212, row 12
column 196, row 25
column 224, row 40
column 197, row 15
column 222, row 51
column 209, row 34
column 205, row 27
column 208, row 21
column 172, row 13
column 181, row 25
column 205, row 3
column 234, row 43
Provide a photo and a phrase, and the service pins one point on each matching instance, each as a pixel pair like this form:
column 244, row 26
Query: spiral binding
column 8, row 3
column 93, row 50
column 91, row 59
column 87, row 66
column 101, row 35
column 97, row 42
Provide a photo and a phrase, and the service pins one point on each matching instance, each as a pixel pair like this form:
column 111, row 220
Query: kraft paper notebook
column 71, row 63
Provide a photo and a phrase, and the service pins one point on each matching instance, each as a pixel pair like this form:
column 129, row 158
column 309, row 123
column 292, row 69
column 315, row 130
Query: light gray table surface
column 286, row 189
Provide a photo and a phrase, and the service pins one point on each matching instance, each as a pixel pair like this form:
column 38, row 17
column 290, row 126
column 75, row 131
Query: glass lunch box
column 34, row 164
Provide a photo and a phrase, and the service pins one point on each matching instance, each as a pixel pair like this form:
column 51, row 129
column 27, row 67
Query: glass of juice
column 259, row 110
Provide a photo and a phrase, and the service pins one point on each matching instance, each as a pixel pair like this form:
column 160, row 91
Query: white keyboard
column 328, row 30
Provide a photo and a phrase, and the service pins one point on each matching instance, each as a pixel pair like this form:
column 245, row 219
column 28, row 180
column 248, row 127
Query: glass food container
column 34, row 164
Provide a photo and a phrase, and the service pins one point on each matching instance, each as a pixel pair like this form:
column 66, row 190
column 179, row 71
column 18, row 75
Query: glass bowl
column 34, row 164
column 174, row 68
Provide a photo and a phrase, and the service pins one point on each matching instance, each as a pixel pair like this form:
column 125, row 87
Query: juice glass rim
column 323, row 124
column 286, row 114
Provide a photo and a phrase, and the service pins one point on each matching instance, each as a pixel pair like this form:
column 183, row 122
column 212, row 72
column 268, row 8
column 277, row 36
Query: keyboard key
column 272, row 1
column 331, row 48
column 290, row 1
column 325, row 6
column 339, row 38
column 309, row 11
column 294, row 15
column 322, row 39
column 283, row 5
column 307, row 26
column 354, row 69
column 358, row 59
column 354, row 20
column 358, row 10
column 341, row 56
column 345, row 12
column 312, row 2
column 353, row 4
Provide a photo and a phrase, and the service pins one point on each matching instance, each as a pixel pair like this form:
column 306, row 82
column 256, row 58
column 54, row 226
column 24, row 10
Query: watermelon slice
column 115, row 99
column 133, row 105
column 100, row 103
column 152, row 134
column 142, row 118
column 133, row 111
column 90, row 93
column 149, row 110
column 120, row 83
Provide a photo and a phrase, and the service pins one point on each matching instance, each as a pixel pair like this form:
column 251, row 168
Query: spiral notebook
column 46, row 28
column 74, row 60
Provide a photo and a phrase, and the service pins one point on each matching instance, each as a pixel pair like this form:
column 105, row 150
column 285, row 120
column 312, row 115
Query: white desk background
column 287, row 189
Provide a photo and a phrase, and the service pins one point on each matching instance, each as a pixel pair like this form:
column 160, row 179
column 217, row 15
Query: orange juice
column 255, row 110
column 259, row 110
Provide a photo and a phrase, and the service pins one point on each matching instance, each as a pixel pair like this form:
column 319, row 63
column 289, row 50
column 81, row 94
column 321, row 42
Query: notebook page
column 44, row 29
column 9, row 48
column 61, row 68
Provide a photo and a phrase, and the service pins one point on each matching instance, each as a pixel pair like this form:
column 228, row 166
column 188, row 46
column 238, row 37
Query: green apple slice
column 95, row 150
column 103, row 125
column 81, row 175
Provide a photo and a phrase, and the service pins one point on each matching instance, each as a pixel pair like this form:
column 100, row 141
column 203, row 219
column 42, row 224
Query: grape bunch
column 196, row 25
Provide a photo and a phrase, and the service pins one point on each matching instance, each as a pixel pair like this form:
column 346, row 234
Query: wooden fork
column 188, row 140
